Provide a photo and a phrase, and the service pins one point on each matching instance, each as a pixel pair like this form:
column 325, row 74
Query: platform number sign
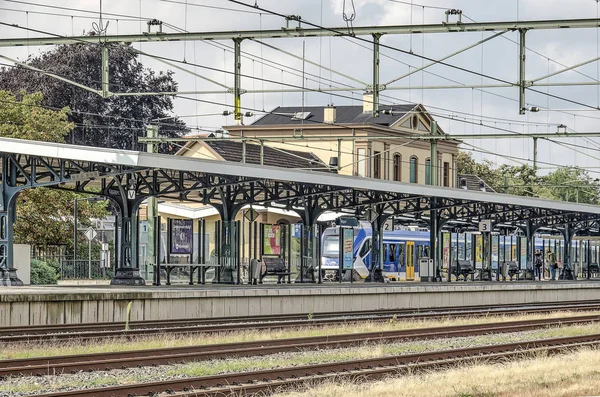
column 485, row 226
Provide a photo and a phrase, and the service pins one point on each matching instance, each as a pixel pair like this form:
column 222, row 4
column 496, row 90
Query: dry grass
column 26, row 350
column 31, row 385
column 574, row 374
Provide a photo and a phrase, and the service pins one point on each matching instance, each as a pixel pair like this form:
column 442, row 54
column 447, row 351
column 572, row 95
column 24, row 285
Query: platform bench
column 513, row 269
column 465, row 268
column 275, row 267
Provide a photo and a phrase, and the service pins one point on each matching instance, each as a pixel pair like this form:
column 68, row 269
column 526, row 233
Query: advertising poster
column 495, row 252
column 524, row 253
column 446, row 250
column 272, row 240
column 182, row 232
column 479, row 251
column 348, row 248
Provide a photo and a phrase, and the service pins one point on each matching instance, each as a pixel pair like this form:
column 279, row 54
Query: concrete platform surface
column 37, row 305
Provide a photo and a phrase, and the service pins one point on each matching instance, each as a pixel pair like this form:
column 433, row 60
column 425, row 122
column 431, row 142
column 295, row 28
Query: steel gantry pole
column 376, row 87
column 433, row 157
column 152, row 210
column 237, row 80
column 535, row 153
column 105, row 70
column 522, row 82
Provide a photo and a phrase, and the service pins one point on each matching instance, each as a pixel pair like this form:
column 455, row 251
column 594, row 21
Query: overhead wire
column 466, row 70
column 148, row 55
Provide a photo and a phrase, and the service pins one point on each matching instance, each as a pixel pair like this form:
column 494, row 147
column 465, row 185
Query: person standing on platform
column 538, row 262
column 551, row 262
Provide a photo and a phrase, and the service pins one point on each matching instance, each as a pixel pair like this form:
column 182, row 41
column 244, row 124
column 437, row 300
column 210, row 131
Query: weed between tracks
column 59, row 348
column 572, row 374
column 31, row 385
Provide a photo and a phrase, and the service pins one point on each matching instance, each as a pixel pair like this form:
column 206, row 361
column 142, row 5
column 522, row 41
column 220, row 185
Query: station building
column 347, row 140
column 380, row 147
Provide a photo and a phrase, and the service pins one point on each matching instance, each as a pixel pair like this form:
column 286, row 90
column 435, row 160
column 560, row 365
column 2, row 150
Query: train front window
column 331, row 245
column 364, row 250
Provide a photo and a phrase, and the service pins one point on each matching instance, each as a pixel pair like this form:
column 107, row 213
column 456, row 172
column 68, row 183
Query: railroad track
column 248, row 383
column 85, row 332
column 112, row 360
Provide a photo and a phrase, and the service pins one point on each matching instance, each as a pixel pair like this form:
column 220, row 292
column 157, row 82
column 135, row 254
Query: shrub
column 42, row 273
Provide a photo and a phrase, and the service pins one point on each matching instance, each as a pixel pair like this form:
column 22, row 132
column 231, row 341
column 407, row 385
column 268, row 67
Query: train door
column 410, row 261
column 401, row 260
column 390, row 264
column 422, row 251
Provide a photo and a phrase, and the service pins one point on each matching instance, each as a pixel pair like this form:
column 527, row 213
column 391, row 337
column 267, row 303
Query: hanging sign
column 182, row 232
column 251, row 215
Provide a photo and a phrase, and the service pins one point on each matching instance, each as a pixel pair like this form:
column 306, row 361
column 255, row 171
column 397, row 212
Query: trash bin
column 504, row 271
column 426, row 271
column 254, row 272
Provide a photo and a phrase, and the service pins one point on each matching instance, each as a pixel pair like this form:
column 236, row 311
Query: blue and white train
column 403, row 250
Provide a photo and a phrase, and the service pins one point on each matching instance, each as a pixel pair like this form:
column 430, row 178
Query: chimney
column 329, row 114
column 368, row 102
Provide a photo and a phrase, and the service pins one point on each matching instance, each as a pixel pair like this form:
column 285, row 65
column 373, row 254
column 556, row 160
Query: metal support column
column 152, row 206
column 567, row 270
column 227, row 241
column 377, row 225
column 433, row 156
column 8, row 273
column 105, row 70
column 433, row 243
column 237, row 80
column 535, row 153
column 128, row 272
column 310, row 260
column 522, row 82
column 376, row 86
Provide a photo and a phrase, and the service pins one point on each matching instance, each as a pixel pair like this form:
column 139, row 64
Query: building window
column 360, row 162
column 428, row 172
column 414, row 169
column 446, row 174
column 397, row 167
column 377, row 165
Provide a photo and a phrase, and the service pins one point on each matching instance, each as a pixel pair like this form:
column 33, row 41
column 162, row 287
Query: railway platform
column 24, row 306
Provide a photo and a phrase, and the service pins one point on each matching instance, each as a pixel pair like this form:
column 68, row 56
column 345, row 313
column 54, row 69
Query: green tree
column 565, row 183
column 467, row 165
column 44, row 216
column 519, row 180
column 114, row 122
column 570, row 184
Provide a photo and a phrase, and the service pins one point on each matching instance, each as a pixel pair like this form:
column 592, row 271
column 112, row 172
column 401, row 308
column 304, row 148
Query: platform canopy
column 129, row 177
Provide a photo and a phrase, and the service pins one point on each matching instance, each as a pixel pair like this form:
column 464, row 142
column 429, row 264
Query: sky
column 347, row 62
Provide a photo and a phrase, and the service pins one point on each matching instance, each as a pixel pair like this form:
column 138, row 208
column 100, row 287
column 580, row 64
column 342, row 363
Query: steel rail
column 105, row 361
column 269, row 380
column 87, row 332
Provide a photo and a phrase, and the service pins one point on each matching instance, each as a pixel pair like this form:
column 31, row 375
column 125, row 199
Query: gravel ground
column 18, row 387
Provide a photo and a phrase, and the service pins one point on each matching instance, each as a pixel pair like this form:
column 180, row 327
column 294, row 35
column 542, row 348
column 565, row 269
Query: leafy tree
column 467, row 165
column 44, row 216
column 114, row 122
column 571, row 184
column 519, row 180
column 565, row 184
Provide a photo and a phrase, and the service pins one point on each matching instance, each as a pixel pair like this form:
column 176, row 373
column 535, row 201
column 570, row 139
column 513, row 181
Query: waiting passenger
column 551, row 263
column 539, row 264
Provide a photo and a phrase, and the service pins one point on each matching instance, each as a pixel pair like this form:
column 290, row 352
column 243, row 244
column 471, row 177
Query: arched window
column 397, row 167
column 428, row 171
column 414, row 169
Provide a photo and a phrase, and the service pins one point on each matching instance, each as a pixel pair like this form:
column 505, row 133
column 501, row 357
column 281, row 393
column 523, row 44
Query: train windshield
column 331, row 245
